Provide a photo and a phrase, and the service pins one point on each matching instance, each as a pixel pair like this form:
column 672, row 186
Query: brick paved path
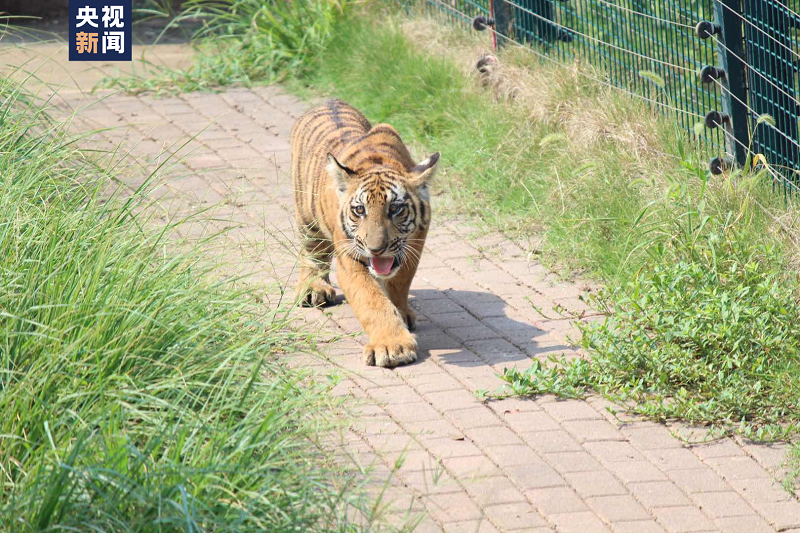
column 511, row 465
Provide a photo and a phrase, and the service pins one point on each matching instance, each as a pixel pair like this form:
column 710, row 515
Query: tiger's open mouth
column 384, row 266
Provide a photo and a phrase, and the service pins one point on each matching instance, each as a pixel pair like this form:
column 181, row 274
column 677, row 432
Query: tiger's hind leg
column 314, row 286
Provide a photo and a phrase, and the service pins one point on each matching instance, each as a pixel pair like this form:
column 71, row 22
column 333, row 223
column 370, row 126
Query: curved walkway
column 484, row 303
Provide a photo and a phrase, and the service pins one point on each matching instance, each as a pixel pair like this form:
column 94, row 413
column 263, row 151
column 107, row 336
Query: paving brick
column 456, row 319
column 509, row 456
column 770, row 456
column 472, row 333
column 473, row 418
column 395, row 395
column 514, row 516
column 534, row 475
column 526, row 421
column 633, row 471
column 722, row 504
column 551, row 441
column 593, row 430
column 698, row 480
column 555, row 500
column 736, row 468
column 613, row 452
column 453, row 400
column 474, row 466
column 447, row 447
column 638, row 526
column 412, row 412
column 593, row 483
column 429, row 481
column 493, row 490
column 452, row 356
column 618, row 508
column 673, row 459
column 579, row 522
column 427, row 430
column 493, row 436
column 743, row 524
column 565, row 410
column 653, row 437
column 434, row 382
column 572, row 462
column 658, row 494
column 409, row 460
column 683, row 519
column 762, row 489
column 782, row 515
column 472, row 526
column 452, row 507
column 717, row 448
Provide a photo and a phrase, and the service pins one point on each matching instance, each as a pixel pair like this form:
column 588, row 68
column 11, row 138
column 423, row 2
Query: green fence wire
column 629, row 38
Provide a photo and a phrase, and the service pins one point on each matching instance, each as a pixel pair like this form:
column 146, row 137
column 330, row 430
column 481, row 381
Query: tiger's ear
column 340, row 175
column 424, row 171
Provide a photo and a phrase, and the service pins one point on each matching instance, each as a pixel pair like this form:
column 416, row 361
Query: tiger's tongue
column 382, row 265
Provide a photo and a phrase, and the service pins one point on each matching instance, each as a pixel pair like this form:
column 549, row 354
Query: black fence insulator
column 715, row 118
column 481, row 23
column 718, row 165
column 709, row 73
column 706, row 29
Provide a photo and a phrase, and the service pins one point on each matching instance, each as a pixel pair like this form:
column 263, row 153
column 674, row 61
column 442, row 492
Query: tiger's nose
column 376, row 251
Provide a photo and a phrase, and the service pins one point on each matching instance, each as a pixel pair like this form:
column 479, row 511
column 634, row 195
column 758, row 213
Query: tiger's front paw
column 392, row 352
column 318, row 292
column 410, row 318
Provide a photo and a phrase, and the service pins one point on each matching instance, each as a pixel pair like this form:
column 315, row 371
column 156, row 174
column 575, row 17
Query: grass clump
column 242, row 42
column 710, row 336
column 137, row 393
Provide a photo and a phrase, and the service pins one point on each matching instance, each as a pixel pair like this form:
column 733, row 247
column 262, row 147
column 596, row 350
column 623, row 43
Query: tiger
column 360, row 198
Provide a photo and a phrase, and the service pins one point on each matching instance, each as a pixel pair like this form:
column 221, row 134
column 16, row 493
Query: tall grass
column 136, row 392
column 243, row 42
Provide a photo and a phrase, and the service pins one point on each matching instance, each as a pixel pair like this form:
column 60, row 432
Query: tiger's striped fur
column 361, row 198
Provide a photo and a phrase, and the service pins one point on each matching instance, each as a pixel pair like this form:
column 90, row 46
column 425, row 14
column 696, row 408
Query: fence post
column 772, row 87
column 727, row 15
column 503, row 17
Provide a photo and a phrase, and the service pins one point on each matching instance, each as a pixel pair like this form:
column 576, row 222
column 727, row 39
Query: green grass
column 241, row 42
column 138, row 394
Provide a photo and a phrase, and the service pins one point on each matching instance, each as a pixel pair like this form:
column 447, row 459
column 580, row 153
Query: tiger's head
column 380, row 210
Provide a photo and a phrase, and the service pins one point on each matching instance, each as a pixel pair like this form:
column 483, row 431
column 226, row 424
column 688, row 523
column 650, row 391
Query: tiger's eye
column 359, row 210
column 395, row 208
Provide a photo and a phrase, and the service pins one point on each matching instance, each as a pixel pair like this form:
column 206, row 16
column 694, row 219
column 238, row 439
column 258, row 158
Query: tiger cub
column 360, row 197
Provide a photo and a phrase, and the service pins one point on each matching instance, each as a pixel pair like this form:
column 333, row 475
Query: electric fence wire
column 755, row 114
column 466, row 17
column 633, row 11
column 755, row 71
column 793, row 13
column 784, row 179
column 595, row 39
column 729, row 8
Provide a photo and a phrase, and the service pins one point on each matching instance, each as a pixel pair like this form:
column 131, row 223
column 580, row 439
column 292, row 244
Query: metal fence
column 727, row 65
